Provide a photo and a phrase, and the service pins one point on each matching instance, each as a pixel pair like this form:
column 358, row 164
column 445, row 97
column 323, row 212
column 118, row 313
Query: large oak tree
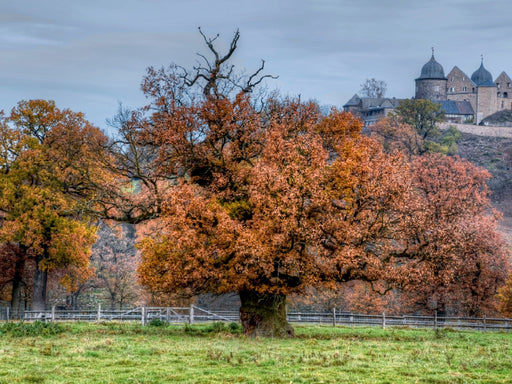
column 265, row 196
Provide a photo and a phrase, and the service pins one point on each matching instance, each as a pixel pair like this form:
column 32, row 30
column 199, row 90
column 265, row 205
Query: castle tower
column 431, row 84
column 486, row 97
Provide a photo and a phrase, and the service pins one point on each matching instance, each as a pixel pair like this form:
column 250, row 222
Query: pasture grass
column 219, row 353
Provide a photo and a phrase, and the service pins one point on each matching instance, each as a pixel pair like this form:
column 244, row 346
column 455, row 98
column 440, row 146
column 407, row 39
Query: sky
column 90, row 56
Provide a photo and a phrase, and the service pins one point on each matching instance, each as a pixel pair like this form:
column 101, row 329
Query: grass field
column 218, row 353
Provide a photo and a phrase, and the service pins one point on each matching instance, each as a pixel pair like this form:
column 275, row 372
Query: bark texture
column 40, row 284
column 264, row 315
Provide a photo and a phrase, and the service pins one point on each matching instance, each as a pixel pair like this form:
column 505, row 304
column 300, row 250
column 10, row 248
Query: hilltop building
column 485, row 96
column 464, row 99
column 370, row 109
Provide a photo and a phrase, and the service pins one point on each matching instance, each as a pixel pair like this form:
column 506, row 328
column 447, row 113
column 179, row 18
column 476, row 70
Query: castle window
column 436, row 88
column 505, row 94
column 463, row 78
column 499, row 85
column 465, row 89
column 502, row 104
column 452, row 79
column 473, row 89
column 508, row 85
column 499, row 94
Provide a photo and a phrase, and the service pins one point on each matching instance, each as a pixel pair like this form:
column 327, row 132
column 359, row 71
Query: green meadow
column 219, row 353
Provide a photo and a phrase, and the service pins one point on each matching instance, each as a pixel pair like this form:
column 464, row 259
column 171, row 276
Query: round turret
column 431, row 85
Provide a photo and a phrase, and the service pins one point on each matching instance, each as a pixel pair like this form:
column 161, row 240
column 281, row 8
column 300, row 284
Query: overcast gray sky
column 89, row 55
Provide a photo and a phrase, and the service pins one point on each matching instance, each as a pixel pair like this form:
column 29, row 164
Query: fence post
column 168, row 315
column 143, row 315
column 383, row 319
column 351, row 319
column 334, row 317
column 98, row 315
column 485, row 324
column 435, row 320
column 191, row 314
column 53, row 313
column 7, row 310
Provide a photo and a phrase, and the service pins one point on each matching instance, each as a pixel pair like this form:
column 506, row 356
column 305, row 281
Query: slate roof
column 451, row 107
column 354, row 101
column 482, row 77
column 372, row 102
column 432, row 70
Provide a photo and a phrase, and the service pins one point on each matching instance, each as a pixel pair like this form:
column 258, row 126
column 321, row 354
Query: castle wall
column 459, row 82
column 431, row 89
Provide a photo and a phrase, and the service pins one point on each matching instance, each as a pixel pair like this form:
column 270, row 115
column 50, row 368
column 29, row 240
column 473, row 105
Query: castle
column 464, row 99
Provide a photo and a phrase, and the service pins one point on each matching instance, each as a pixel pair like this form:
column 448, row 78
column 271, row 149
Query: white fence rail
column 195, row 314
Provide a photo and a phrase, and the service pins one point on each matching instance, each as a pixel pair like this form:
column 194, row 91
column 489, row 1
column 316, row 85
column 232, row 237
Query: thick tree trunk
column 264, row 315
column 17, row 284
column 40, row 283
column 16, row 309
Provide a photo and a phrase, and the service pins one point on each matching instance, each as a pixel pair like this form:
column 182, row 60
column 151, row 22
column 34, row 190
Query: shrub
column 37, row 328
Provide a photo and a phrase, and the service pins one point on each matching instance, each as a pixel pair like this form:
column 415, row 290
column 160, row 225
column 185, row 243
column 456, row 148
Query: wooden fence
column 195, row 314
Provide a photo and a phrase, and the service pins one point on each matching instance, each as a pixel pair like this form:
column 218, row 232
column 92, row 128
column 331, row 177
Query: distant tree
column 452, row 234
column 373, row 88
column 413, row 128
column 49, row 164
column 115, row 262
column 394, row 134
column 424, row 116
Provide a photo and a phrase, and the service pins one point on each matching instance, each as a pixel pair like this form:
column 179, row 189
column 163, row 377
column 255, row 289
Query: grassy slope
column 113, row 353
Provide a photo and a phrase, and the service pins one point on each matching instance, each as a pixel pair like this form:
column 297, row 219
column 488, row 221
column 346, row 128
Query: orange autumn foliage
column 275, row 215
column 461, row 259
column 268, row 197
column 51, row 160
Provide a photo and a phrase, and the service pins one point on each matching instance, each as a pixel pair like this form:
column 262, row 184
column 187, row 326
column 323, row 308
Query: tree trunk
column 40, row 283
column 17, row 284
column 16, row 309
column 264, row 315
column 113, row 297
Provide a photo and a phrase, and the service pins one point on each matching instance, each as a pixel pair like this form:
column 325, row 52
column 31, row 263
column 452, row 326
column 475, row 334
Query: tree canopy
column 48, row 165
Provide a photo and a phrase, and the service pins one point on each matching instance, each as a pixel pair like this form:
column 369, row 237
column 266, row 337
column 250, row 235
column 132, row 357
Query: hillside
column 495, row 154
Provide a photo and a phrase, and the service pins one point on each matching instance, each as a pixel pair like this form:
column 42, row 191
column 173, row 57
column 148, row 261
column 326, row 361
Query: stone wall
column 480, row 130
